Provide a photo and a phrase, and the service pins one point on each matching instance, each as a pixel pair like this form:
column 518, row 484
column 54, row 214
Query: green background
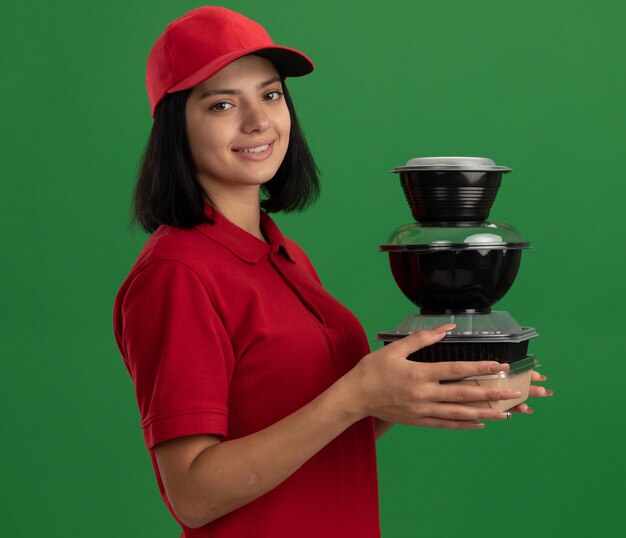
column 538, row 86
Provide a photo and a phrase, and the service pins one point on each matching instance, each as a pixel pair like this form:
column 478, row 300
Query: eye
column 219, row 107
column 273, row 96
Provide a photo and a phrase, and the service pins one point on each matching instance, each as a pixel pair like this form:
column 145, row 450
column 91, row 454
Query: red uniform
column 224, row 334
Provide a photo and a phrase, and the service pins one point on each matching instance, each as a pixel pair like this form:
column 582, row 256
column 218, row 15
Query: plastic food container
column 450, row 189
column 517, row 378
column 455, row 269
column 495, row 336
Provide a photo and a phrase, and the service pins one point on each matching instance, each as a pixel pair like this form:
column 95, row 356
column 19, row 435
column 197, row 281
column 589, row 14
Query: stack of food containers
column 454, row 265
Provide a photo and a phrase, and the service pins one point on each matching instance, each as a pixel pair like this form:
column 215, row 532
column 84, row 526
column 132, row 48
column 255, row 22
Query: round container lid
column 478, row 236
column 498, row 326
column 470, row 164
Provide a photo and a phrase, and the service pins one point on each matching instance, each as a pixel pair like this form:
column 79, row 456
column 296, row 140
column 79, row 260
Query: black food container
column 495, row 336
column 454, row 264
column 450, row 189
column 467, row 272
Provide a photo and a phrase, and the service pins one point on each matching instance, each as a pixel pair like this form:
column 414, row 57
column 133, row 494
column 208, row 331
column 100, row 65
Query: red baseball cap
column 201, row 43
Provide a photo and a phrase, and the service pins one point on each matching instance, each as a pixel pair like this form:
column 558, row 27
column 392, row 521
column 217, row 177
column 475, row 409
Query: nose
column 255, row 119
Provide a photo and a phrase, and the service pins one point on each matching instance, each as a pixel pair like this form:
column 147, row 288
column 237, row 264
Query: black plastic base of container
column 450, row 195
column 455, row 281
column 485, row 351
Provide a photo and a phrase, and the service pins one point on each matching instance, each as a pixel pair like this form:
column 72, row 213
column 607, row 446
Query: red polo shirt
column 224, row 334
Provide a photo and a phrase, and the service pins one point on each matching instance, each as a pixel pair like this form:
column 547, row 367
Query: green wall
column 538, row 86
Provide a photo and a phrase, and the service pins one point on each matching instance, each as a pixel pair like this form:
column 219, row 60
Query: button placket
column 279, row 262
column 276, row 262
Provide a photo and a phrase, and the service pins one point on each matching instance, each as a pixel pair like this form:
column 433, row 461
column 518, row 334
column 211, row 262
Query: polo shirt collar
column 241, row 243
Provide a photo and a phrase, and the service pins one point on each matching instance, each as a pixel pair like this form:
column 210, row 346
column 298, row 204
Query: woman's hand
column 534, row 391
column 387, row 386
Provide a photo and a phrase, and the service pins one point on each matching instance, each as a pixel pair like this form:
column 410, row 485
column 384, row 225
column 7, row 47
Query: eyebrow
column 227, row 91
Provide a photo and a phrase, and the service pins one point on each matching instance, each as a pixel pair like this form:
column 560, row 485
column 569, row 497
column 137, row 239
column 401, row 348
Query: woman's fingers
column 455, row 392
column 522, row 408
column 536, row 376
column 432, row 422
column 443, row 370
column 411, row 343
column 535, row 391
column 464, row 412
column 449, row 370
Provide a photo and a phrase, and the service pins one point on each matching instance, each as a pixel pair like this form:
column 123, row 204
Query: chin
column 261, row 176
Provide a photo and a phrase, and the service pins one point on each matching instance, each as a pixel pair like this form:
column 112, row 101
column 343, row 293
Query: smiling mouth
column 255, row 149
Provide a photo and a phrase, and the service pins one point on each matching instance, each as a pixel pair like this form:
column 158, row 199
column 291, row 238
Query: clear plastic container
column 477, row 236
column 496, row 326
column 516, row 379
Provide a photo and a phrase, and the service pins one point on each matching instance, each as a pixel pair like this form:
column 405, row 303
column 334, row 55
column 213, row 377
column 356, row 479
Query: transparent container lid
column 497, row 326
column 475, row 236
column 470, row 164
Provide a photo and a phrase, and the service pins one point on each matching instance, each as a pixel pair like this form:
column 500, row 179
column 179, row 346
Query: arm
column 205, row 479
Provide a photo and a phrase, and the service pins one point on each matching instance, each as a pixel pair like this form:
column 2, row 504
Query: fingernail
column 543, row 378
column 478, row 426
column 549, row 392
column 444, row 328
column 500, row 367
column 529, row 411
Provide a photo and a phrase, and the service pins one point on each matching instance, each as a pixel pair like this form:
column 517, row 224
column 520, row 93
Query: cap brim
column 289, row 62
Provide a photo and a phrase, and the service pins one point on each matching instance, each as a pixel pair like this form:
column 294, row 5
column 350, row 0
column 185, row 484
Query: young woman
column 259, row 397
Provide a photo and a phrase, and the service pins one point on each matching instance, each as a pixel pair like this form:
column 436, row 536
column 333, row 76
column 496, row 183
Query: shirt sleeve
column 178, row 353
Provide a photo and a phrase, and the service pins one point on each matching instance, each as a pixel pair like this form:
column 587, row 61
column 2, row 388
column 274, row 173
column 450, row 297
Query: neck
column 244, row 212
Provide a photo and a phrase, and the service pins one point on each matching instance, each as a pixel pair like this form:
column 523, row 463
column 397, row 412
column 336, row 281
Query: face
column 238, row 127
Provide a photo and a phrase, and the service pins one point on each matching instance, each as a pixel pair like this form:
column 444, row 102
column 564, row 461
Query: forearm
column 228, row 475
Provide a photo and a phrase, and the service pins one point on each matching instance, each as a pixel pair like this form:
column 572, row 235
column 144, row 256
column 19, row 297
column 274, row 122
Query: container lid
column 498, row 326
column 476, row 236
column 469, row 164
column 515, row 368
